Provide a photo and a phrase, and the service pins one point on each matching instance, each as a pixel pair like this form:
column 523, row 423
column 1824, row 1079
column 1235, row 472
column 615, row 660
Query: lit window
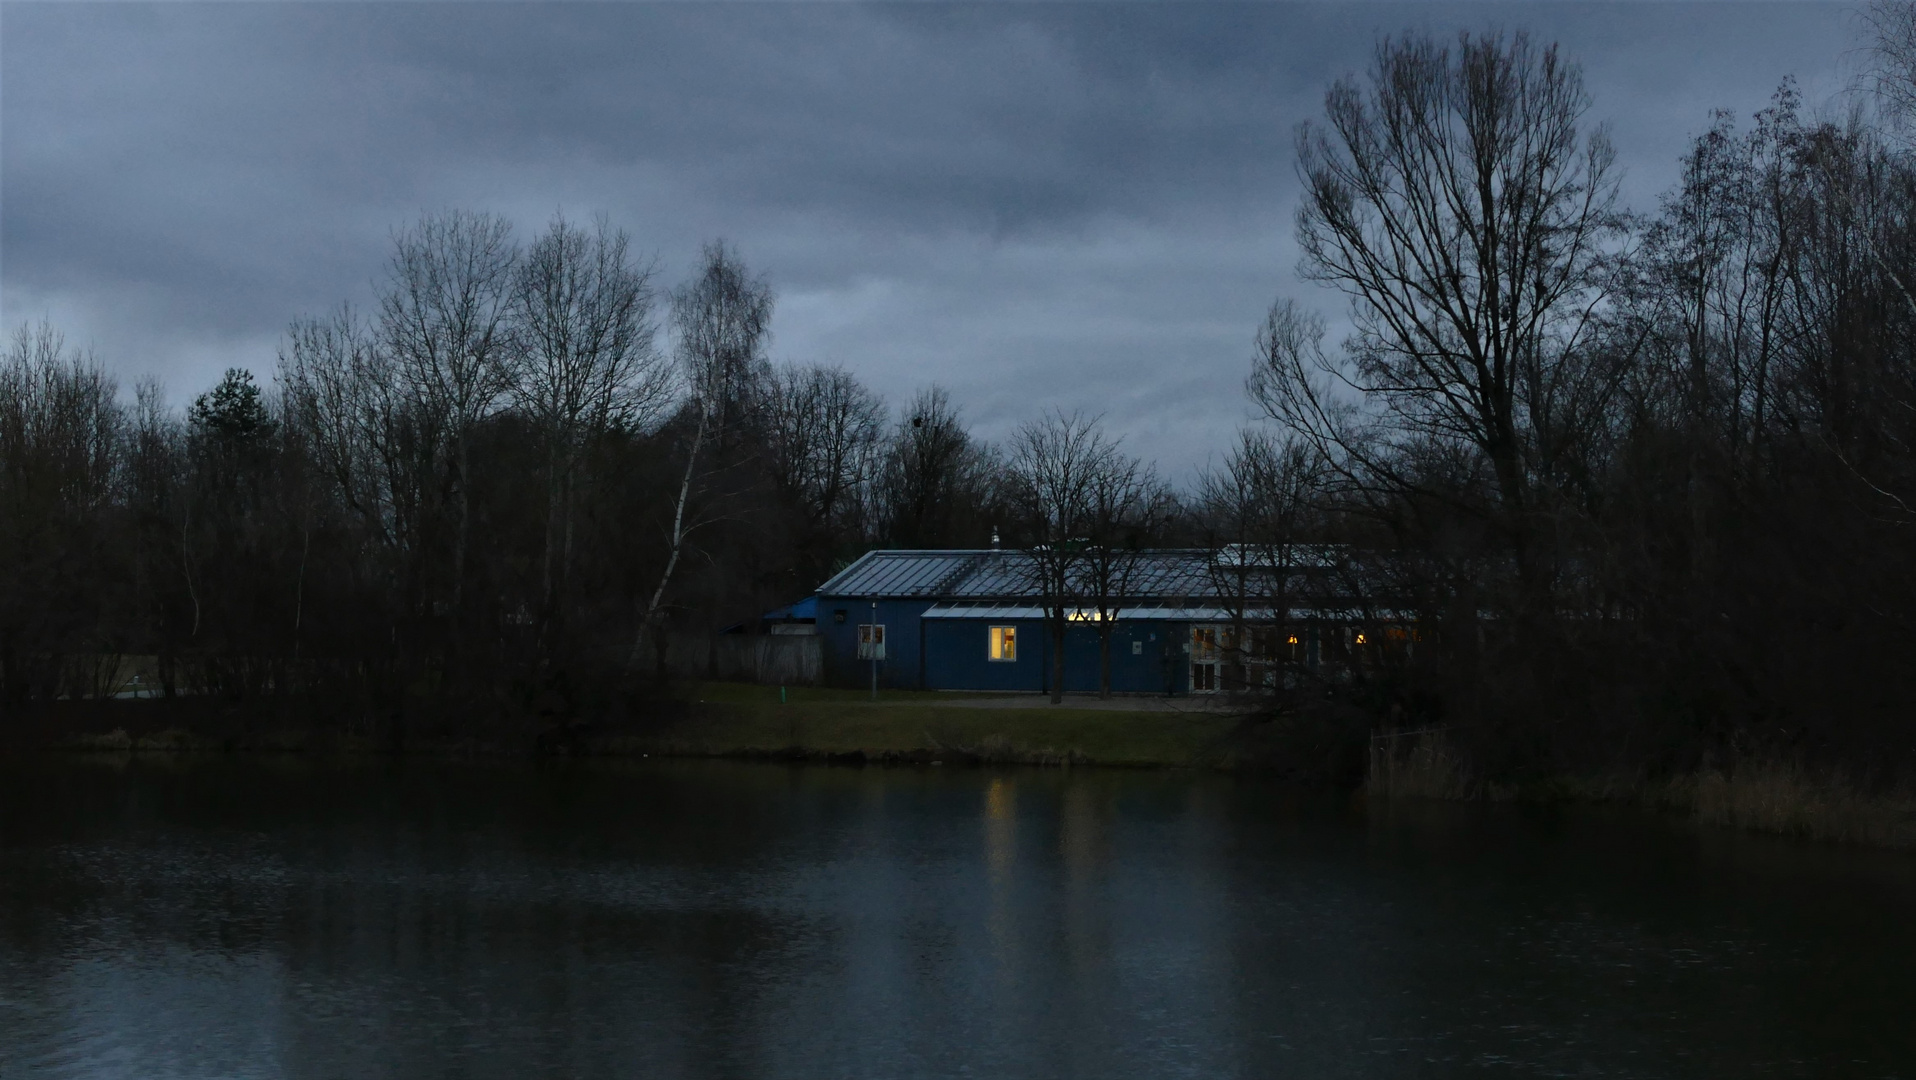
column 1004, row 643
column 1204, row 643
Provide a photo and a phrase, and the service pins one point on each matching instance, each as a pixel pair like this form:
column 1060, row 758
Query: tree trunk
column 650, row 618
column 1104, row 658
column 1057, row 657
column 299, row 588
column 462, row 535
column 547, row 600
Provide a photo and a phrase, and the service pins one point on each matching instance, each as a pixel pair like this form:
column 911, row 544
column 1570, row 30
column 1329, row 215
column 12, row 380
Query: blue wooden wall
column 957, row 657
column 954, row 654
column 900, row 668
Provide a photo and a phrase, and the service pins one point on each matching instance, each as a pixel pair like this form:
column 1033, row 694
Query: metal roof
column 1001, row 574
column 897, row 574
column 1169, row 613
column 804, row 609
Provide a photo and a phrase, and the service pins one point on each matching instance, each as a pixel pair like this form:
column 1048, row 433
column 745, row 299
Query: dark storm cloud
column 1080, row 205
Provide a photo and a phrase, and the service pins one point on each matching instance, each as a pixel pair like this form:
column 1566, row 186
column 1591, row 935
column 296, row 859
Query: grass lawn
column 737, row 718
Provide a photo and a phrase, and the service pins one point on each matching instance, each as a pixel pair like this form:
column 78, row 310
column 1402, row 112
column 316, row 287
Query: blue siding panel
column 1151, row 669
column 900, row 618
column 958, row 656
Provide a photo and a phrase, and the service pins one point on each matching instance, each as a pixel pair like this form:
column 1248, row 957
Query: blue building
column 1192, row 621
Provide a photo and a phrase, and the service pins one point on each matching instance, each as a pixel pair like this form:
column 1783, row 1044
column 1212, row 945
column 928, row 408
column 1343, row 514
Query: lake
column 276, row 917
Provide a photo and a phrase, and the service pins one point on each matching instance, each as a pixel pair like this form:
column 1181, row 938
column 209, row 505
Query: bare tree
column 60, row 435
column 341, row 394
column 375, row 450
column 722, row 318
column 1892, row 28
column 1255, row 513
column 1126, row 508
column 587, row 364
column 446, row 319
column 153, row 486
column 1055, row 465
column 1459, row 204
column 822, row 430
column 935, row 478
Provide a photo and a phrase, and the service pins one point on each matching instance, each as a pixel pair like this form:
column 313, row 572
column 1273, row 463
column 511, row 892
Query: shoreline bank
column 909, row 728
column 1781, row 798
column 708, row 720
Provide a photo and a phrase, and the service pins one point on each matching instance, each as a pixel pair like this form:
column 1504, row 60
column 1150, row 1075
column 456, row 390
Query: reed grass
column 1761, row 795
column 1430, row 768
column 1784, row 798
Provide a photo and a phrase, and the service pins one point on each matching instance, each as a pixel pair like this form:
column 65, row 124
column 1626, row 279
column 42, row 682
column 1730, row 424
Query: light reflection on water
column 264, row 918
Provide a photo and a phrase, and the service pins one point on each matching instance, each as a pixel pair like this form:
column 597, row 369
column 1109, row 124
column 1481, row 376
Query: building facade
column 1189, row 621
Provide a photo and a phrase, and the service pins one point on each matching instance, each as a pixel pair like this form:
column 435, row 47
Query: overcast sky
column 1081, row 205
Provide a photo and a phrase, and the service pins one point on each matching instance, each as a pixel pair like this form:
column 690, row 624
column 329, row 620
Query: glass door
column 1204, row 657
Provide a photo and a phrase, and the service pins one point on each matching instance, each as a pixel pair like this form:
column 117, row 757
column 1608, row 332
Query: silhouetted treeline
column 500, row 486
column 1646, row 483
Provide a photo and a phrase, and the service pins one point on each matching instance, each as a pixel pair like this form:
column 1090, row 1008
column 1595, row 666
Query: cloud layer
column 1083, row 206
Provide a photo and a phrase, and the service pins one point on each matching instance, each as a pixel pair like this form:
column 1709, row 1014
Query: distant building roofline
column 1002, row 573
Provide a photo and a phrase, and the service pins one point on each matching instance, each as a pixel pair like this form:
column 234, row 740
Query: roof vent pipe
column 994, row 537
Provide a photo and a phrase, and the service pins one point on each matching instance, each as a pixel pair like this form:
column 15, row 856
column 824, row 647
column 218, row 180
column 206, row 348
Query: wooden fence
column 771, row 659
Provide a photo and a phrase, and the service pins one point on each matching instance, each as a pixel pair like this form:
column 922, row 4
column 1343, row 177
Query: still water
column 267, row 918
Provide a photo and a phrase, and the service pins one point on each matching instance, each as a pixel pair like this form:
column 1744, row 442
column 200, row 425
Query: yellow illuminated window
column 1204, row 643
column 1004, row 643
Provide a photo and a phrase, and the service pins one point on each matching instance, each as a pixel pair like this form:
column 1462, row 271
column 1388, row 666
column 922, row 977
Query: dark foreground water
column 264, row 918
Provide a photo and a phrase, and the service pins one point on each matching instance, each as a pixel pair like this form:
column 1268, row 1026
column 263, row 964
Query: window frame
column 871, row 641
column 997, row 635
